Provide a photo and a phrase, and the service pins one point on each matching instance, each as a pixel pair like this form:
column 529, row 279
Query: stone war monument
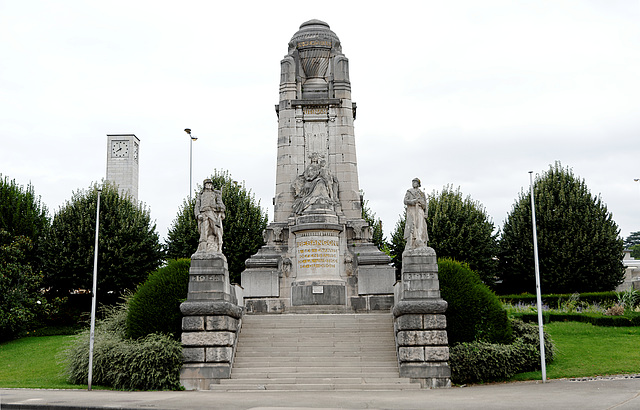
column 420, row 323
column 318, row 253
column 212, row 312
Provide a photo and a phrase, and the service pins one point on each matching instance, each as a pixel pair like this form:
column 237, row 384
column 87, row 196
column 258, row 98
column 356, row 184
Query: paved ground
column 607, row 393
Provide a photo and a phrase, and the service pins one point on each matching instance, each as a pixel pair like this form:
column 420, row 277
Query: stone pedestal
column 419, row 321
column 210, row 324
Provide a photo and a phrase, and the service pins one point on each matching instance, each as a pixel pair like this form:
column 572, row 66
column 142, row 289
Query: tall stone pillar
column 419, row 320
column 319, row 250
column 211, row 314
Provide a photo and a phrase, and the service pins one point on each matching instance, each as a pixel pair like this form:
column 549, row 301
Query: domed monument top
column 312, row 33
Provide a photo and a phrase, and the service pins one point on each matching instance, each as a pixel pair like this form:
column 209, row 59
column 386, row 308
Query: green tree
column 375, row 223
column 459, row 228
column 579, row 249
column 632, row 239
column 397, row 244
column 635, row 251
column 20, row 287
column 128, row 248
column 244, row 223
column 23, row 214
column 633, row 242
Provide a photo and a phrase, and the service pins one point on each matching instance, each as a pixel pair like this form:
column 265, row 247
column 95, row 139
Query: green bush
column 474, row 312
column 482, row 362
column 555, row 300
column 155, row 306
column 596, row 319
column 149, row 363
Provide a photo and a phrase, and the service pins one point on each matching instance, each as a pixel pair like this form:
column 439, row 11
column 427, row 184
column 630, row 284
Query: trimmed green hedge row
column 481, row 362
column 554, row 300
column 629, row 319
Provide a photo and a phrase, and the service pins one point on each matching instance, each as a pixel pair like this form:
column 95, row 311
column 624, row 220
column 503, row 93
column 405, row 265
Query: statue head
column 207, row 184
column 415, row 182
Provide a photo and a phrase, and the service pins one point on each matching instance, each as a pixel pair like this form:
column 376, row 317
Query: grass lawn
column 585, row 350
column 32, row 362
column 582, row 350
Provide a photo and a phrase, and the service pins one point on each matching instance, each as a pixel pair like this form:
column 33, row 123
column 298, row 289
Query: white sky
column 469, row 93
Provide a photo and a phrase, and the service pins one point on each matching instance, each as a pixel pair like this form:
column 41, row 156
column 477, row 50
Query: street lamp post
column 191, row 139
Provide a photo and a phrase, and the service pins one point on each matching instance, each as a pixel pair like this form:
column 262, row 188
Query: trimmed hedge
column 155, row 306
column 149, row 363
column 482, row 362
column 629, row 319
column 474, row 312
column 554, row 300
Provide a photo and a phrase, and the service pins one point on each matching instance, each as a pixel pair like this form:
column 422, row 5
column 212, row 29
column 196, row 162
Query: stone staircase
column 314, row 352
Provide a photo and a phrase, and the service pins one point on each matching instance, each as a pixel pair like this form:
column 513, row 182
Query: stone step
column 288, row 379
column 315, row 387
column 312, row 369
column 316, row 352
column 267, row 361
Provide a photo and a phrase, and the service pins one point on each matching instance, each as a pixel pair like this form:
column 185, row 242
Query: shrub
column 596, row 319
column 155, row 306
column 555, row 301
column 149, row 363
column 482, row 362
column 474, row 313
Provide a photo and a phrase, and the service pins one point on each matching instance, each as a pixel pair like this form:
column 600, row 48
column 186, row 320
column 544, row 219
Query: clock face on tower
column 120, row 149
column 135, row 151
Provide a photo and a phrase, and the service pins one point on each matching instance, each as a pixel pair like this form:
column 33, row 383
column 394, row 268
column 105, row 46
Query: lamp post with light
column 191, row 139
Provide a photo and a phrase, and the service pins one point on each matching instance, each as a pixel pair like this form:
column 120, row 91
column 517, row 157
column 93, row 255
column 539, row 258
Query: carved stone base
column 419, row 321
column 318, row 293
column 210, row 323
column 209, row 337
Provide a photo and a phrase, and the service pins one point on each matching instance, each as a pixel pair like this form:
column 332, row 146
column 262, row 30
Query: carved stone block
column 208, row 338
column 422, row 337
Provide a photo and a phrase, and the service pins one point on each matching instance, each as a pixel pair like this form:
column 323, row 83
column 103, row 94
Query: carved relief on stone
column 286, row 267
column 277, row 234
column 348, row 264
column 316, row 188
column 415, row 230
column 287, row 70
column 361, row 229
column 209, row 211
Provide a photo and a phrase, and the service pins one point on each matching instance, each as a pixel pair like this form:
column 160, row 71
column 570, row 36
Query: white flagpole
column 538, row 292
column 93, row 292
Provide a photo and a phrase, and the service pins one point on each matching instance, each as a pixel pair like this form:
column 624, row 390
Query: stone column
column 419, row 321
column 210, row 324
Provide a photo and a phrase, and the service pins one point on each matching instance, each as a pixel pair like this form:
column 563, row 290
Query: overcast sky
column 469, row 93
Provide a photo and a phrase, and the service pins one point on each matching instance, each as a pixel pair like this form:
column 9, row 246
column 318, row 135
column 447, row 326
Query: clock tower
column 122, row 163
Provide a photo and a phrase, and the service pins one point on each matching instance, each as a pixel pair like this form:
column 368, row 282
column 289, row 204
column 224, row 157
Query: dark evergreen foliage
column 632, row 239
column 579, row 249
column 243, row 226
column 21, row 300
column 23, row 214
column 397, row 244
column 375, row 223
column 128, row 248
column 155, row 306
column 459, row 228
column 474, row 312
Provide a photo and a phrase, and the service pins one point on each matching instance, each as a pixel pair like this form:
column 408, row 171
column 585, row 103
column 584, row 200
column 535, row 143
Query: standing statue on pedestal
column 209, row 212
column 415, row 229
column 316, row 187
